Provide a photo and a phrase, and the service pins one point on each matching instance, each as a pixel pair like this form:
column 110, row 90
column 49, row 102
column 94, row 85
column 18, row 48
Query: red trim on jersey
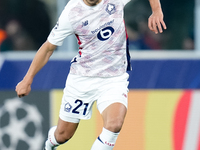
column 79, row 41
column 125, row 31
column 80, row 53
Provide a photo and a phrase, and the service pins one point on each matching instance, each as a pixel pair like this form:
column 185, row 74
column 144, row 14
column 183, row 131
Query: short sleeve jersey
column 101, row 35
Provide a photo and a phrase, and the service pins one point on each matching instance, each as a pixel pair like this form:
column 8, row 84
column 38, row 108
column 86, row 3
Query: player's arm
column 155, row 22
column 41, row 58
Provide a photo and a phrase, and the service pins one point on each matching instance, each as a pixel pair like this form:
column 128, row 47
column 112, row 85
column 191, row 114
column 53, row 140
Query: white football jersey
column 102, row 39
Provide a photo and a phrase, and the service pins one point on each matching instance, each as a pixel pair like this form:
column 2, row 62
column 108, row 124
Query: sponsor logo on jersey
column 110, row 8
column 103, row 26
column 105, row 33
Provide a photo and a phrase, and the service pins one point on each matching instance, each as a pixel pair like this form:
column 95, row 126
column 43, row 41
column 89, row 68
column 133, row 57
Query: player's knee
column 114, row 125
column 63, row 136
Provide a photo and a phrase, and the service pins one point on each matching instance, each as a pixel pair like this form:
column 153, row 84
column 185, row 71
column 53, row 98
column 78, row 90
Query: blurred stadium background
column 164, row 97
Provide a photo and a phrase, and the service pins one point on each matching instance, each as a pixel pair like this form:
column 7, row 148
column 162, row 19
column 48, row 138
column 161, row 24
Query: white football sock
column 105, row 141
column 51, row 142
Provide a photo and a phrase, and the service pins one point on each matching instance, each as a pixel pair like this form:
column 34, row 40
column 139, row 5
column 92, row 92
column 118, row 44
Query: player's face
column 92, row 2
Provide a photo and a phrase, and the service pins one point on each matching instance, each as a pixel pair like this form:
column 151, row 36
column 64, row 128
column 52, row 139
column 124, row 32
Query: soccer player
column 97, row 73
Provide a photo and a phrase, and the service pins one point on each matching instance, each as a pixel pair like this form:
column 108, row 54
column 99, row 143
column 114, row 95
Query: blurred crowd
column 25, row 25
column 178, row 16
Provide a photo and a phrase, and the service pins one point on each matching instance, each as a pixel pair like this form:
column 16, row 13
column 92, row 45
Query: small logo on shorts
column 124, row 95
column 68, row 107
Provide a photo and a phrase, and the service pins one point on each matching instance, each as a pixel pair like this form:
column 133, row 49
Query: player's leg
column 65, row 130
column 60, row 134
column 112, row 105
column 113, row 119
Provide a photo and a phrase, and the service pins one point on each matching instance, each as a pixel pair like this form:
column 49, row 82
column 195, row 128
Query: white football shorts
column 81, row 92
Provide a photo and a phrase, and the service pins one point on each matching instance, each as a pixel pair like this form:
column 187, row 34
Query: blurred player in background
column 97, row 73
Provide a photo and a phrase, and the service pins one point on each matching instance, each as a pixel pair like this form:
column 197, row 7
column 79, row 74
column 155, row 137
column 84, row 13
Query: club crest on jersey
column 110, row 8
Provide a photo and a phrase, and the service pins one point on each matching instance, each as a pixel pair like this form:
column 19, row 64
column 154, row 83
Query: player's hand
column 156, row 23
column 23, row 88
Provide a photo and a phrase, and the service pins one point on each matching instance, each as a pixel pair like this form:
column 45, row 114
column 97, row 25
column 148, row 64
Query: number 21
column 80, row 103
